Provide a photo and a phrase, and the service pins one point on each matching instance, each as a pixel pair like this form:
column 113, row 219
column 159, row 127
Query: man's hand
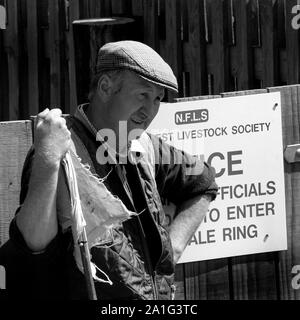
column 52, row 137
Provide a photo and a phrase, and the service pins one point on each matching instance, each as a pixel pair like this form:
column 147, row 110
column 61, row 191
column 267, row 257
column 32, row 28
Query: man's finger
column 43, row 113
column 54, row 113
column 41, row 116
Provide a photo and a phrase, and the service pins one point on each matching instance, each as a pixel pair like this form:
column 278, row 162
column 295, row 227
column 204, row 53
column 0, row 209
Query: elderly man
column 137, row 256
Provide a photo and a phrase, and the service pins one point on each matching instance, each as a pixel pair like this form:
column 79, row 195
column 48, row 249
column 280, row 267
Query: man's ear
column 105, row 88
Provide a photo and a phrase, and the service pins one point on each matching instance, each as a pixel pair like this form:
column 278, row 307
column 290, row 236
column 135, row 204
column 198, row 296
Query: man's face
column 137, row 103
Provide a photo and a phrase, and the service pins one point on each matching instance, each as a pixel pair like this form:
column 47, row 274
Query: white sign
column 241, row 137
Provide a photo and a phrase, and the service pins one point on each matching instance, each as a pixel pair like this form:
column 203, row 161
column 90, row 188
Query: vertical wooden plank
column 173, row 45
column 230, row 23
column 207, row 21
column 193, row 284
column 292, row 44
column 15, row 140
column 269, row 42
column 255, row 42
column 33, row 58
column 23, row 60
column 180, row 282
column 217, row 51
column 121, row 8
column 242, row 58
column 81, row 36
column 151, row 23
column 117, row 6
column 3, row 80
column 54, row 47
column 162, row 26
column 12, row 49
column 290, row 99
column 137, row 7
column 96, row 9
column 194, row 48
column 3, row 76
column 84, row 9
column 108, row 7
column 44, row 56
column 63, row 55
column 281, row 6
column 73, row 15
column 281, row 18
column 254, row 23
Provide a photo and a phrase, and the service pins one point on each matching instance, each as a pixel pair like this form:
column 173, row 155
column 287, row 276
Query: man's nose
column 152, row 107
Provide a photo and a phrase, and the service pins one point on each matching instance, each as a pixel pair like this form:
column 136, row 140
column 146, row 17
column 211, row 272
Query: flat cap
column 139, row 58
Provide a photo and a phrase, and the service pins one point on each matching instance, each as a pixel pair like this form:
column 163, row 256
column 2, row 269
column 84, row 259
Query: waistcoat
column 137, row 255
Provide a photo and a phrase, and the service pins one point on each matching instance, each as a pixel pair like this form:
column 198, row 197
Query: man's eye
column 160, row 97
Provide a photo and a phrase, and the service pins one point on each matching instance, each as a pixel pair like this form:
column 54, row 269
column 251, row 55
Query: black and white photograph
column 150, row 154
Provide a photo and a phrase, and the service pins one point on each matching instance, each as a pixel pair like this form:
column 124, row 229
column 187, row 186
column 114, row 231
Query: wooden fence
column 212, row 45
column 260, row 276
